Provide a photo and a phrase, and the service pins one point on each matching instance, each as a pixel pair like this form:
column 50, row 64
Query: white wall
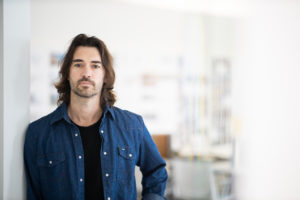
column 56, row 23
column 270, row 104
column 15, row 41
column 1, row 98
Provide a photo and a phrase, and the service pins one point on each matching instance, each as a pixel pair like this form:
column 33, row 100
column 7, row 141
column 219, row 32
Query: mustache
column 85, row 79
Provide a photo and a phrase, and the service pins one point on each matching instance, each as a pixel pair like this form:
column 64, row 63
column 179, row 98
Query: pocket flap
column 126, row 152
column 50, row 159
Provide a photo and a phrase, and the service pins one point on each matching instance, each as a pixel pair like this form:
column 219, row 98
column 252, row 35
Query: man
column 88, row 148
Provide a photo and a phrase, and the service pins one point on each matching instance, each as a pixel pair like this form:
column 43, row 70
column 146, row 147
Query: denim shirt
column 54, row 159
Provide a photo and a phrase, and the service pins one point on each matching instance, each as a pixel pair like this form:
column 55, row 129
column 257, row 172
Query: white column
column 14, row 94
column 270, row 88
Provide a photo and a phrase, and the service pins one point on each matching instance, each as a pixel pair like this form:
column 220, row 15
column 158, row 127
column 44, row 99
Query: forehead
column 89, row 53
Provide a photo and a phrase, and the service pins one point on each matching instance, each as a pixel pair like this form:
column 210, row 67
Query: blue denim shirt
column 54, row 161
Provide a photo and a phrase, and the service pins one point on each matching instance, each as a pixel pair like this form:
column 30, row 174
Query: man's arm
column 152, row 167
column 31, row 171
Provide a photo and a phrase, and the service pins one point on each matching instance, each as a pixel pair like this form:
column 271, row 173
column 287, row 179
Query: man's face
column 87, row 74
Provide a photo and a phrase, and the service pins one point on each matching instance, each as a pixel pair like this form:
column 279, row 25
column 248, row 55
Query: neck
column 84, row 111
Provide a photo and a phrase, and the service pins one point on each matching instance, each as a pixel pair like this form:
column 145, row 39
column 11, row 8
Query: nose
column 87, row 72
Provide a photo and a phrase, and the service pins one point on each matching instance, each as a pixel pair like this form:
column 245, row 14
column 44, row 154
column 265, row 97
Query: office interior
column 172, row 67
column 216, row 83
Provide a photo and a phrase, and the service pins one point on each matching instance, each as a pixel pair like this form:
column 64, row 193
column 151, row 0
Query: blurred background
column 217, row 83
column 173, row 66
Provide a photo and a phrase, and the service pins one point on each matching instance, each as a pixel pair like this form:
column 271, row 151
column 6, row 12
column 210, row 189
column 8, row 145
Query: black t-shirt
column 91, row 142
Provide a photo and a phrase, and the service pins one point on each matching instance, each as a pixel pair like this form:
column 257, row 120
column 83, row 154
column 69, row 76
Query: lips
column 85, row 83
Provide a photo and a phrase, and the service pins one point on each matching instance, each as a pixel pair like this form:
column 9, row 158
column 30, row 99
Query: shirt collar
column 109, row 109
column 62, row 113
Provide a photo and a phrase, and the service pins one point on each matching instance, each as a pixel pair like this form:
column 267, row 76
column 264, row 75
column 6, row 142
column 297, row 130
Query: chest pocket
column 126, row 164
column 126, row 153
column 53, row 173
column 50, row 160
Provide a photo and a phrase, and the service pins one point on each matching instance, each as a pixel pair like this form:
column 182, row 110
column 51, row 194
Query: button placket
column 79, row 153
column 105, row 153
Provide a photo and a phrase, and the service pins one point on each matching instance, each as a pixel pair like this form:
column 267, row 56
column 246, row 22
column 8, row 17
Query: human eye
column 96, row 66
column 77, row 65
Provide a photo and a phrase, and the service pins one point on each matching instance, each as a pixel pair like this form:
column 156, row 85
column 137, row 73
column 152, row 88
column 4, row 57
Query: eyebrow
column 96, row 61
column 80, row 60
column 77, row 60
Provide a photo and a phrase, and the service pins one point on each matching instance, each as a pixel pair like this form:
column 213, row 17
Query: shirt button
column 79, row 157
column 130, row 155
column 76, row 134
column 81, row 180
column 50, row 162
column 102, row 131
column 108, row 198
column 107, row 175
column 104, row 153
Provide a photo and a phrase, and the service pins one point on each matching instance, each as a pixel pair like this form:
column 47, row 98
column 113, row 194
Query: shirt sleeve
column 153, row 168
column 31, row 170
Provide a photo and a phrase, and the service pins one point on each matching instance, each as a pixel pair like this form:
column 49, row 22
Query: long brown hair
column 63, row 86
